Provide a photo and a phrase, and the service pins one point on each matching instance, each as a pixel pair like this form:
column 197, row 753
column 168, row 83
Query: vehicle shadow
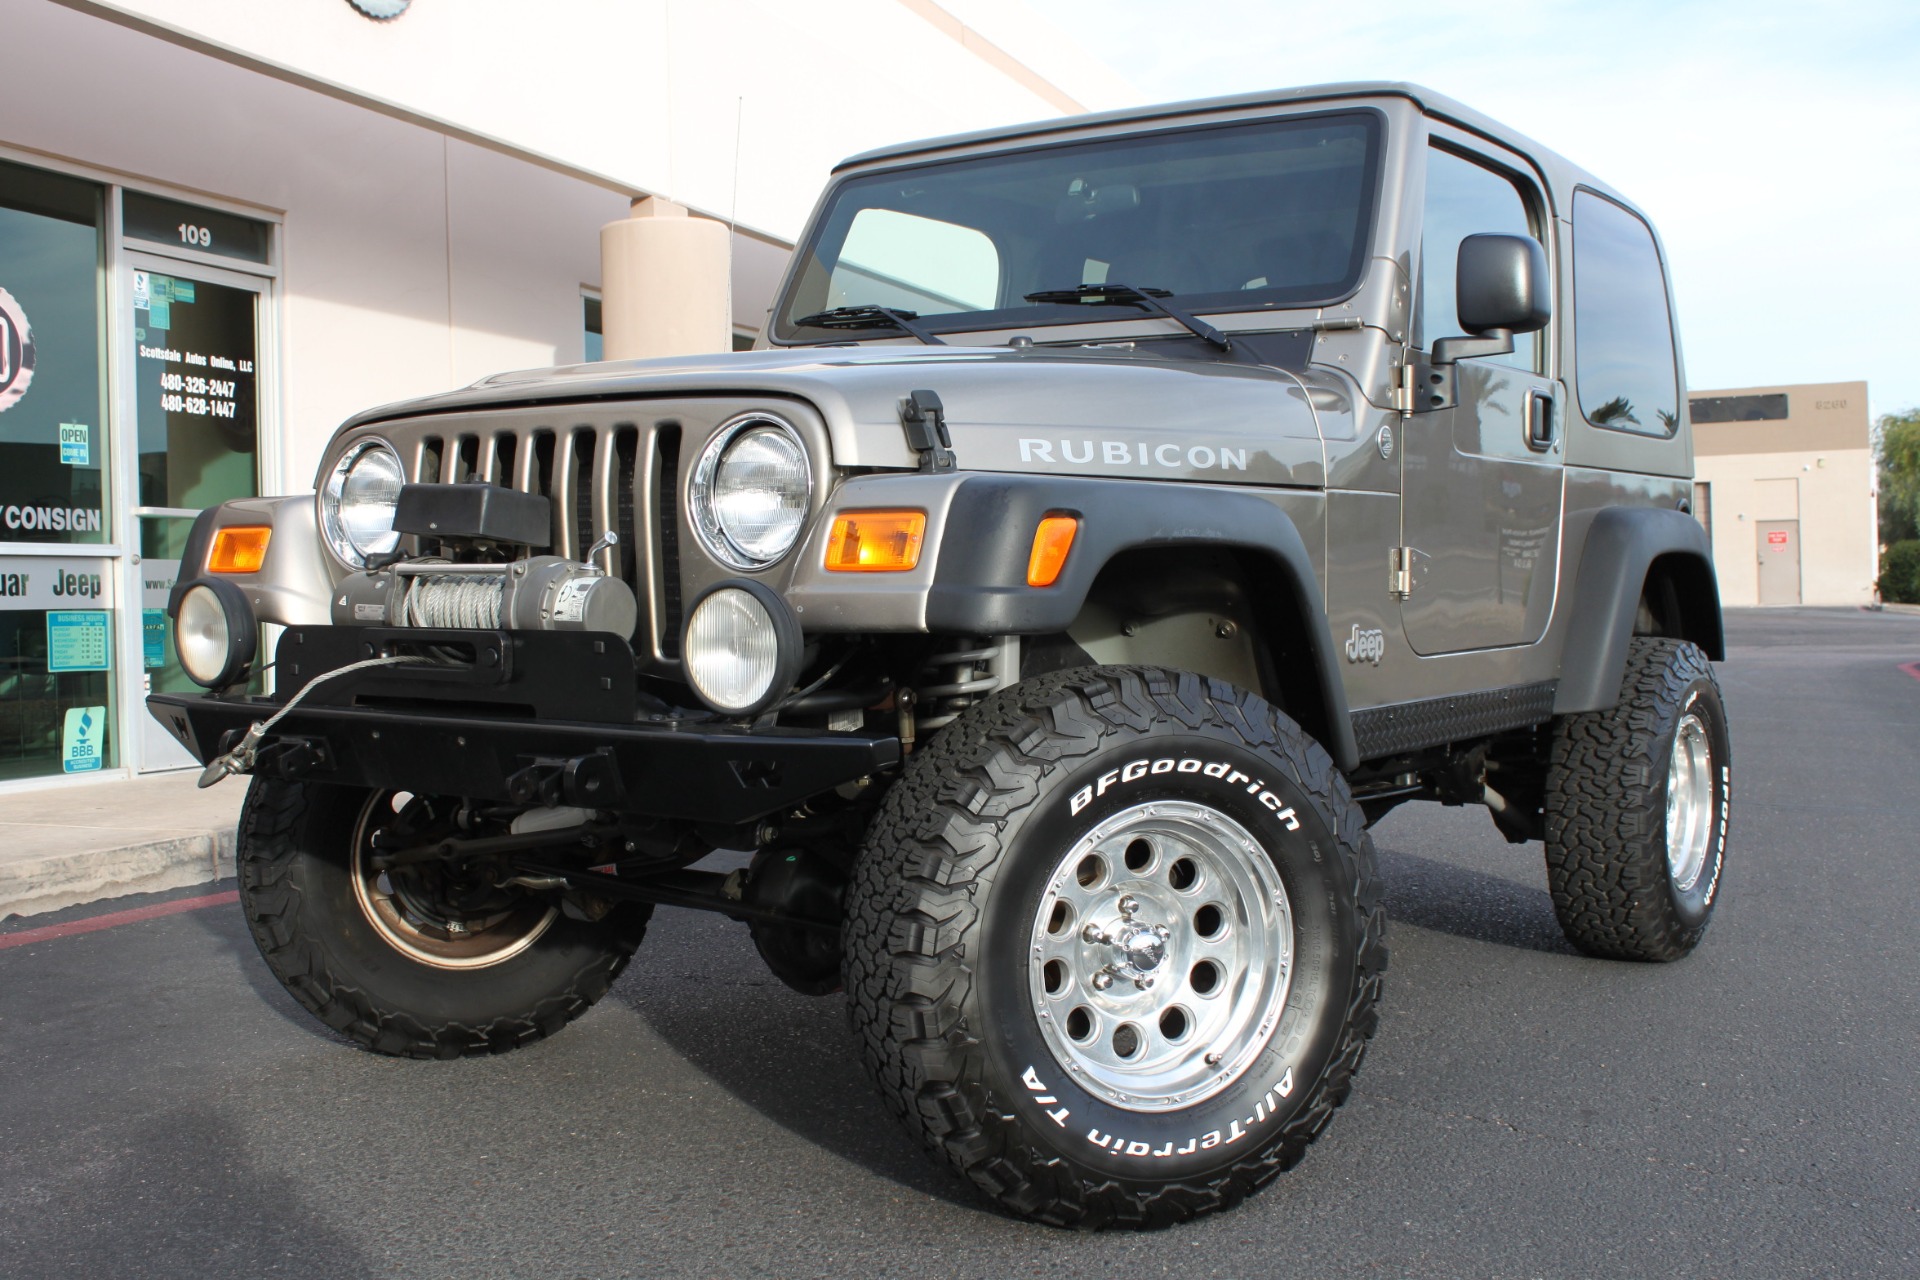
column 700, row 987
column 1430, row 894
column 227, row 926
column 178, row 1194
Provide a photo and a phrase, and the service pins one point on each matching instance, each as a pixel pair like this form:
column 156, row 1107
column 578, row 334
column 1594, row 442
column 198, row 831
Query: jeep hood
column 1079, row 412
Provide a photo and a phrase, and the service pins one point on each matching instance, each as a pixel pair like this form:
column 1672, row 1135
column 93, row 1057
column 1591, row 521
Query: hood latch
column 924, row 419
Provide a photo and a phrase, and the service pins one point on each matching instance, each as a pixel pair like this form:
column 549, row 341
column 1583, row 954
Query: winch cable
column 242, row 757
column 470, row 602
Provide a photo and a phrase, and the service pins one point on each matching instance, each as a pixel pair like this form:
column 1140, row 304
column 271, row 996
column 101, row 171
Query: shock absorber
column 960, row 673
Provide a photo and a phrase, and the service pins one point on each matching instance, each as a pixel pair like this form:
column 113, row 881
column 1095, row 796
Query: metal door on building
column 1779, row 561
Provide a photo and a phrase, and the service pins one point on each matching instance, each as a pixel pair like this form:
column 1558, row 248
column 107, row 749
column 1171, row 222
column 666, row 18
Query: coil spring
column 959, row 680
column 469, row 601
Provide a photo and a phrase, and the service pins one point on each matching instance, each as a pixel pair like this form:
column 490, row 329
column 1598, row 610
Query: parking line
column 114, row 919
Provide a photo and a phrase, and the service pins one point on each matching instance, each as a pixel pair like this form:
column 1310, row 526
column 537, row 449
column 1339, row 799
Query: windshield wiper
column 871, row 317
column 1125, row 295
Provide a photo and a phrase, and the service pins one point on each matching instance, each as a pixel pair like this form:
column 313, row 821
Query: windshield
column 1239, row 217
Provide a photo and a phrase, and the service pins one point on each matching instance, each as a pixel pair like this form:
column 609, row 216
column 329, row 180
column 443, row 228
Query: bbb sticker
column 83, row 740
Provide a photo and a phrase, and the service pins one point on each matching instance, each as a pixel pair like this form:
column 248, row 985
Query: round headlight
column 750, row 492
column 741, row 649
column 358, row 500
column 214, row 633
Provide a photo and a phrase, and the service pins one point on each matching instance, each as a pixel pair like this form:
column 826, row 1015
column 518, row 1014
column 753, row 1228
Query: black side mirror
column 1501, row 285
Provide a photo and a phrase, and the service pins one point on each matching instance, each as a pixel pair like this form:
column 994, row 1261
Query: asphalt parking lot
column 1754, row 1110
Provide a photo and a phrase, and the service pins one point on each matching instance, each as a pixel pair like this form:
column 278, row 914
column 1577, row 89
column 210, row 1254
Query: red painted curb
column 1912, row 669
column 114, row 919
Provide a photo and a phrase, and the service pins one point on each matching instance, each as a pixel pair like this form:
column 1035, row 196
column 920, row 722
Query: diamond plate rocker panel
column 1408, row 726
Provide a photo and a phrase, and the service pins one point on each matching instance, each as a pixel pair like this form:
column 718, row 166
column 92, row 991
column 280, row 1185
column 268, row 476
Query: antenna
column 733, row 212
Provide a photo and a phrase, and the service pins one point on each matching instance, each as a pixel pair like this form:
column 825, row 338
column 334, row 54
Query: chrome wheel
column 1689, row 802
column 1162, row 954
column 430, row 914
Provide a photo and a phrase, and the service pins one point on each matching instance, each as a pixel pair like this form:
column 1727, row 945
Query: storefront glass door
column 195, row 398
column 58, row 589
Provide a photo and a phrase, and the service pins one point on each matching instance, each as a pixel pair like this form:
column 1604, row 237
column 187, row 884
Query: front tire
column 1638, row 800
column 388, row 960
column 1114, row 946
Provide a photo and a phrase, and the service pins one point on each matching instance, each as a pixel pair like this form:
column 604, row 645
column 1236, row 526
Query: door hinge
column 1400, row 572
column 1403, row 391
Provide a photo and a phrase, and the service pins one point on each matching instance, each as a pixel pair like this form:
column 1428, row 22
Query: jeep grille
column 618, row 475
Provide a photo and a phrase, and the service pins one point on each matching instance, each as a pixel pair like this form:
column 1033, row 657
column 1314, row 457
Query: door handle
column 1539, row 421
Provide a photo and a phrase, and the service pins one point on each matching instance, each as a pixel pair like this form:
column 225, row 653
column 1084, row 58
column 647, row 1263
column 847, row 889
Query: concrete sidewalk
column 71, row 845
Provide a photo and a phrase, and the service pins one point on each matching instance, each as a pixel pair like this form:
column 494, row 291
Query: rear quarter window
column 1623, row 332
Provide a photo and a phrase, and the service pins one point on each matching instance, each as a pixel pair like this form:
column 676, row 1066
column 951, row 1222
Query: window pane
column 1244, row 217
column 53, row 446
column 194, row 389
column 56, row 659
column 1623, row 334
column 1738, row 408
column 921, row 264
column 1463, row 199
column 596, row 343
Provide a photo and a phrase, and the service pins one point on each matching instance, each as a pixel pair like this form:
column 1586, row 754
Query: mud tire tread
column 1605, row 815
column 934, row 844
column 272, row 840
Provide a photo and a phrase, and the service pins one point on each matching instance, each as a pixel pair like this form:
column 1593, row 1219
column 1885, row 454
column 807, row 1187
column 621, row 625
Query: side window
column 1622, row 332
column 1464, row 199
column 894, row 259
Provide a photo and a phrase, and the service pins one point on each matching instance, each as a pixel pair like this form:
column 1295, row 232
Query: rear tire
column 1114, row 946
column 1638, row 800
column 366, row 957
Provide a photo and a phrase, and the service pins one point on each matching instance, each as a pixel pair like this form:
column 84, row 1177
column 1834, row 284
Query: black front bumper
column 482, row 732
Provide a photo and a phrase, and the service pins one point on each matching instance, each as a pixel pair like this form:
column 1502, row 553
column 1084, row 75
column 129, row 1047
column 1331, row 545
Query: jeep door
column 1481, row 494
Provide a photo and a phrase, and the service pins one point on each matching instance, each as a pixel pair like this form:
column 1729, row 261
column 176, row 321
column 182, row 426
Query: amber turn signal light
column 1051, row 542
column 239, row 549
column 875, row 541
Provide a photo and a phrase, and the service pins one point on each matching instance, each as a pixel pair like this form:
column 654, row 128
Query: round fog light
column 741, row 649
column 214, row 633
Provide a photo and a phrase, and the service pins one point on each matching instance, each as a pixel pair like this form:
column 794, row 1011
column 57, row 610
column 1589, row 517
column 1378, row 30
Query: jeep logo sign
column 1366, row 646
column 45, row 582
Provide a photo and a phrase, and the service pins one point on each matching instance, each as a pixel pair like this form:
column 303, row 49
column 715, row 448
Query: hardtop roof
column 1561, row 173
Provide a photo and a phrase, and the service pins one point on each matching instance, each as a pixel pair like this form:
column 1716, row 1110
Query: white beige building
column 226, row 225
column 1784, row 483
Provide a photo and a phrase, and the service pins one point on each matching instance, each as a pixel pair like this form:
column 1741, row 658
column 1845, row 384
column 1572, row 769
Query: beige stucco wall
column 425, row 241
column 1816, row 467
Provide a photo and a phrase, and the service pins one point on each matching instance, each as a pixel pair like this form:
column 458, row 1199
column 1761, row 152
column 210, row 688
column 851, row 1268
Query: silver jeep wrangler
column 1120, row 514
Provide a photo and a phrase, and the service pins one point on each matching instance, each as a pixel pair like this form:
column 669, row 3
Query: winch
column 535, row 593
column 542, row 593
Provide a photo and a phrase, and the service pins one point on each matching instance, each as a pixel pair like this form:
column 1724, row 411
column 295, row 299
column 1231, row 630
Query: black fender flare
column 193, row 557
column 980, row 580
column 1621, row 549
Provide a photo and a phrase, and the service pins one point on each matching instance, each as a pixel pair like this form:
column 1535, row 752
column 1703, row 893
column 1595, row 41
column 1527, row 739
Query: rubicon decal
column 1138, row 769
column 1165, row 455
column 16, row 351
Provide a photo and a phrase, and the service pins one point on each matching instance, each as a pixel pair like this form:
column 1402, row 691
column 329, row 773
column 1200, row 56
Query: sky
column 1775, row 145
